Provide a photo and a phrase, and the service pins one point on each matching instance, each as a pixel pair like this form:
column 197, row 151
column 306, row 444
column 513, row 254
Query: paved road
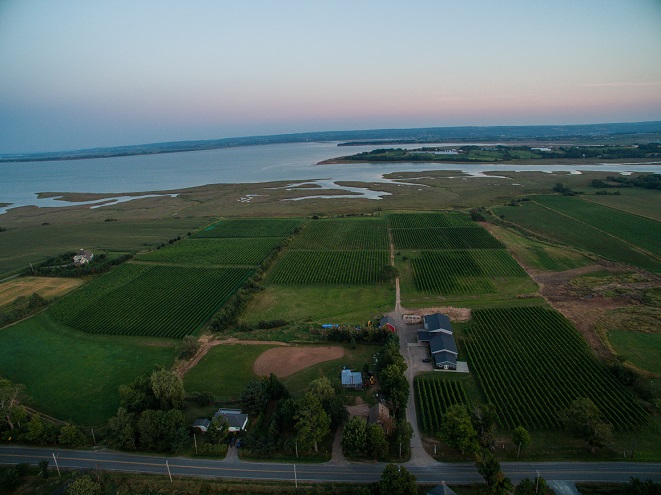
column 348, row 472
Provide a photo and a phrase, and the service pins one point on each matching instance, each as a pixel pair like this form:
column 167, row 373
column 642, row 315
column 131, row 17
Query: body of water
column 21, row 182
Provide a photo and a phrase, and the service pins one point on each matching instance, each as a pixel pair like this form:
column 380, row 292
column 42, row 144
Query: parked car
column 239, row 443
column 426, row 360
column 232, row 441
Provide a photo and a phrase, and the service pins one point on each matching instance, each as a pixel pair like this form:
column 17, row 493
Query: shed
column 378, row 413
column 387, row 322
column 352, row 379
column 236, row 420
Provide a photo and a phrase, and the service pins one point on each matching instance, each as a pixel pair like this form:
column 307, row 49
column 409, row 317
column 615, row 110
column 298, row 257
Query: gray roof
column 423, row 336
column 437, row 321
column 445, row 357
column 442, row 342
column 385, row 320
column 201, row 423
column 441, row 490
column 234, row 419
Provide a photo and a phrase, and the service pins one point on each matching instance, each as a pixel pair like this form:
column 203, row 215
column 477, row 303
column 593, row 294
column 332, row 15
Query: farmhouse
column 236, row 420
column 352, row 379
column 82, row 257
column 438, row 334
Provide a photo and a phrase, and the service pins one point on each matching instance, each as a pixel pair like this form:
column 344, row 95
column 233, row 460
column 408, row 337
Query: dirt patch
column 47, row 287
column 360, row 408
column 455, row 314
column 287, row 361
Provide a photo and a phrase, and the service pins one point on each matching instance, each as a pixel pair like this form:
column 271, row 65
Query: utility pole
column 537, row 484
column 169, row 473
column 93, row 437
column 295, row 477
column 296, row 447
column 195, row 440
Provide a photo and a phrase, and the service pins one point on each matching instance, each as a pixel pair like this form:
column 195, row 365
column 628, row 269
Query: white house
column 82, row 257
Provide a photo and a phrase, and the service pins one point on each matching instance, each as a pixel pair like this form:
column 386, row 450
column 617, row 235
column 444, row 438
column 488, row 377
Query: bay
column 295, row 162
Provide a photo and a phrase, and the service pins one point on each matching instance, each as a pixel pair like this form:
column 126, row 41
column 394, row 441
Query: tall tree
column 218, row 429
column 396, row 480
column 483, row 417
column 121, row 430
column 521, row 438
column 354, row 436
column 583, row 419
column 395, row 385
column 457, row 429
column 529, row 486
column 168, row 388
column 12, row 396
column 489, row 467
column 312, row 422
column 377, row 443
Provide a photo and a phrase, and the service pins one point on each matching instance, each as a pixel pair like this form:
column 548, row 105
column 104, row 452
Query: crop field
column 343, row 234
column 463, row 271
column 150, row 300
column 252, row 227
column 531, row 363
column 433, row 397
column 558, row 227
column 642, row 232
column 643, row 202
column 474, row 237
column 230, row 251
column 329, row 267
column 429, row 220
column 47, row 287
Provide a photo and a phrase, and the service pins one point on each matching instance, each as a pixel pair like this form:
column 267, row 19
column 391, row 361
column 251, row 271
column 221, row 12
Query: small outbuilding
column 201, row 424
column 442, row 489
column 378, row 413
column 352, row 380
column 387, row 322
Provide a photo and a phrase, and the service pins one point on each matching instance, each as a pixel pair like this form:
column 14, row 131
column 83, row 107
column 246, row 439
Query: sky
column 90, row 73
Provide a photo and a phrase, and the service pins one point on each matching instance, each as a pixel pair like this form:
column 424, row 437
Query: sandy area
column 285, row 361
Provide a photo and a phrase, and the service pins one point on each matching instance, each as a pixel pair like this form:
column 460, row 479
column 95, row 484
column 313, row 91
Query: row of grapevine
column 463, row 271
column 163, row 301
column 474, row 237
column 434, row 397
column 428, row 220
column 226, row 251
column 329, row 267
column 532, row 363
column 252, row 227
column 343, row 234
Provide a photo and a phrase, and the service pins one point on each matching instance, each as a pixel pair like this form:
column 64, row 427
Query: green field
column 538, row 255
column 464, row 271
column 429, row 220
column 72, row 375
column 329, row 267
column 643, row 202
column 641, row 349
column 445, row 238
column 343, row 234
column 150, row 300
column 561, row 228
column 224, row 371
column 531, row 363
column 342, row 304
column 252, row 227
column 636, row 230
column 232, row 251
column 433, row 397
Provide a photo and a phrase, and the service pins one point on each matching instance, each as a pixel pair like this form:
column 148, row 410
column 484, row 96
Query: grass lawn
column 642, row 349
column 353, row 358
column 321, row 304
column 72, row 375
column 224, row 371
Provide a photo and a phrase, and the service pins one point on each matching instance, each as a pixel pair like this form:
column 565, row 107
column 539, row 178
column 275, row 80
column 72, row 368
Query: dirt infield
column 285, row 361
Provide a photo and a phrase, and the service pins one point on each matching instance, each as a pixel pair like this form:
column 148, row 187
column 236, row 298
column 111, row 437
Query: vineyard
column 434, row 397
column 329, row 267
column 343, row 234
column 531, row 363
column 238, row 251
column 463, row 271
column 445, row 238
column 429, row 220
column 150, row 300
column 252, row 227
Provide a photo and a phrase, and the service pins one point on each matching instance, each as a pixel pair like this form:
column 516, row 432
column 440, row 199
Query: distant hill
column 366, row 137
